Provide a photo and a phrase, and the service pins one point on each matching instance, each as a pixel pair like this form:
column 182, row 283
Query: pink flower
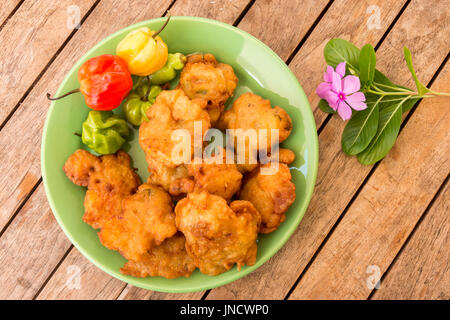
column 342, row 93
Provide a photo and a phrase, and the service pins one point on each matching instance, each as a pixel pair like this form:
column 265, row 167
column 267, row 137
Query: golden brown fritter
column 250, row 111
column 204, row 78
column 271, row 195
column 286, row 156
column 212, row 174
column 218, row 235
column 164, row 175
column 147, row 219
column 109, row 179
column 171, row 111
column 169, row 260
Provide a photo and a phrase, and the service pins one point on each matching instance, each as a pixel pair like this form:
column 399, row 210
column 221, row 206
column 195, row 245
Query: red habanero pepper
column 104, row 82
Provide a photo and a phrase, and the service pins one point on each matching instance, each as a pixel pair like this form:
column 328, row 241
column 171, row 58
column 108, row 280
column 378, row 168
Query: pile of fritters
column 192, row 213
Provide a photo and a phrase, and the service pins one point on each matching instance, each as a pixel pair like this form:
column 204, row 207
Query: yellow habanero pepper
column 143, row 50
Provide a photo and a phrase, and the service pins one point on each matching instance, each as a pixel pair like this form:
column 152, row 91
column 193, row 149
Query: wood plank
column 20, row 164
column 24, row 161
column 29, row 39
column 423, row 269
column 134, row 293
column 387, row 209
column 30, row 249
column 339, row 176
column 6, row 9
column 282, row 24
column 325, row 206
column 105, row 286
column 285, row 16
column 225, row 11
column 309, row 62
column 77, row 278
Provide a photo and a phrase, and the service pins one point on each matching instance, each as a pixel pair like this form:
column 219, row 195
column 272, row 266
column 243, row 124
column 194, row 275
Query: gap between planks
column 411, row 235
column 388, row 30
column 288, row 60
column 53, row 58
column 295, row 50
column 40, row 180
column 11, row 14
column 358, row 191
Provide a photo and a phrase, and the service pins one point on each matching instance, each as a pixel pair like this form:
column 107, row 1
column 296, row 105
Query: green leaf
column 421, row 89
column 362, row 127
column 323, row 105
column 340, row 50
column 367, row 61
column 390, row 119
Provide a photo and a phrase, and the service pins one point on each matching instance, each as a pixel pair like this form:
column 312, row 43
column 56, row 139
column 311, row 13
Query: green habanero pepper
column 104, row 132
column 175, row 62
column 138, row 102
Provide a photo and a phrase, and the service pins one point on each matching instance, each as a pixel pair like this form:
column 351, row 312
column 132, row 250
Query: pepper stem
column 163, row 26
column 49, row 97
column 145, row 98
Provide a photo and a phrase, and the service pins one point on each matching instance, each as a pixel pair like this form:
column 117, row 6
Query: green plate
column 259, row 70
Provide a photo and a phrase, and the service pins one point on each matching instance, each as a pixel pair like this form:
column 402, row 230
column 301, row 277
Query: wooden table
column 389, row 221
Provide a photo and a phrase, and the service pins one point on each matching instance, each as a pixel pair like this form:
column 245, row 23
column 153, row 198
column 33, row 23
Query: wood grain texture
column 281, row 24
column 30, row 249
column 134, row 293
column 29, row 39
column 390, row 204
column 6, row 9
column 105, row 286
column 77, row 278
column 226, row 11
column 31, row 107
column 20, row 158
column 20, row 139
column 332, row 191
column 423, row 269
column 309, row 62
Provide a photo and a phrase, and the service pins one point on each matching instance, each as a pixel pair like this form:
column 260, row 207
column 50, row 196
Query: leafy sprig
column 372, row 132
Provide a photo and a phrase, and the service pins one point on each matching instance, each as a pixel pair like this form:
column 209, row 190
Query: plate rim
column 262, row 260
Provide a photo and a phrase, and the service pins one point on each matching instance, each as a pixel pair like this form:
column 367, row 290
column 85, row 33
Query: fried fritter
column 218, row 235
column 250, row 111
column 109, row 180
column 164, row 175
column 162, row 144
column 211, row 174
column 147, row 219
column 204, row 78
column 284, row 155
column 169, row 260
column 271, row 195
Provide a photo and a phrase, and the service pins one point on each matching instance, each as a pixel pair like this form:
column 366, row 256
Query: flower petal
column 344, row 111
column 357, row 96
column 340, row 69
column 322, row 89
column 336, row 84
column 333, row 100
column 356, row 101
column 328, row 75
column 351, row 84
